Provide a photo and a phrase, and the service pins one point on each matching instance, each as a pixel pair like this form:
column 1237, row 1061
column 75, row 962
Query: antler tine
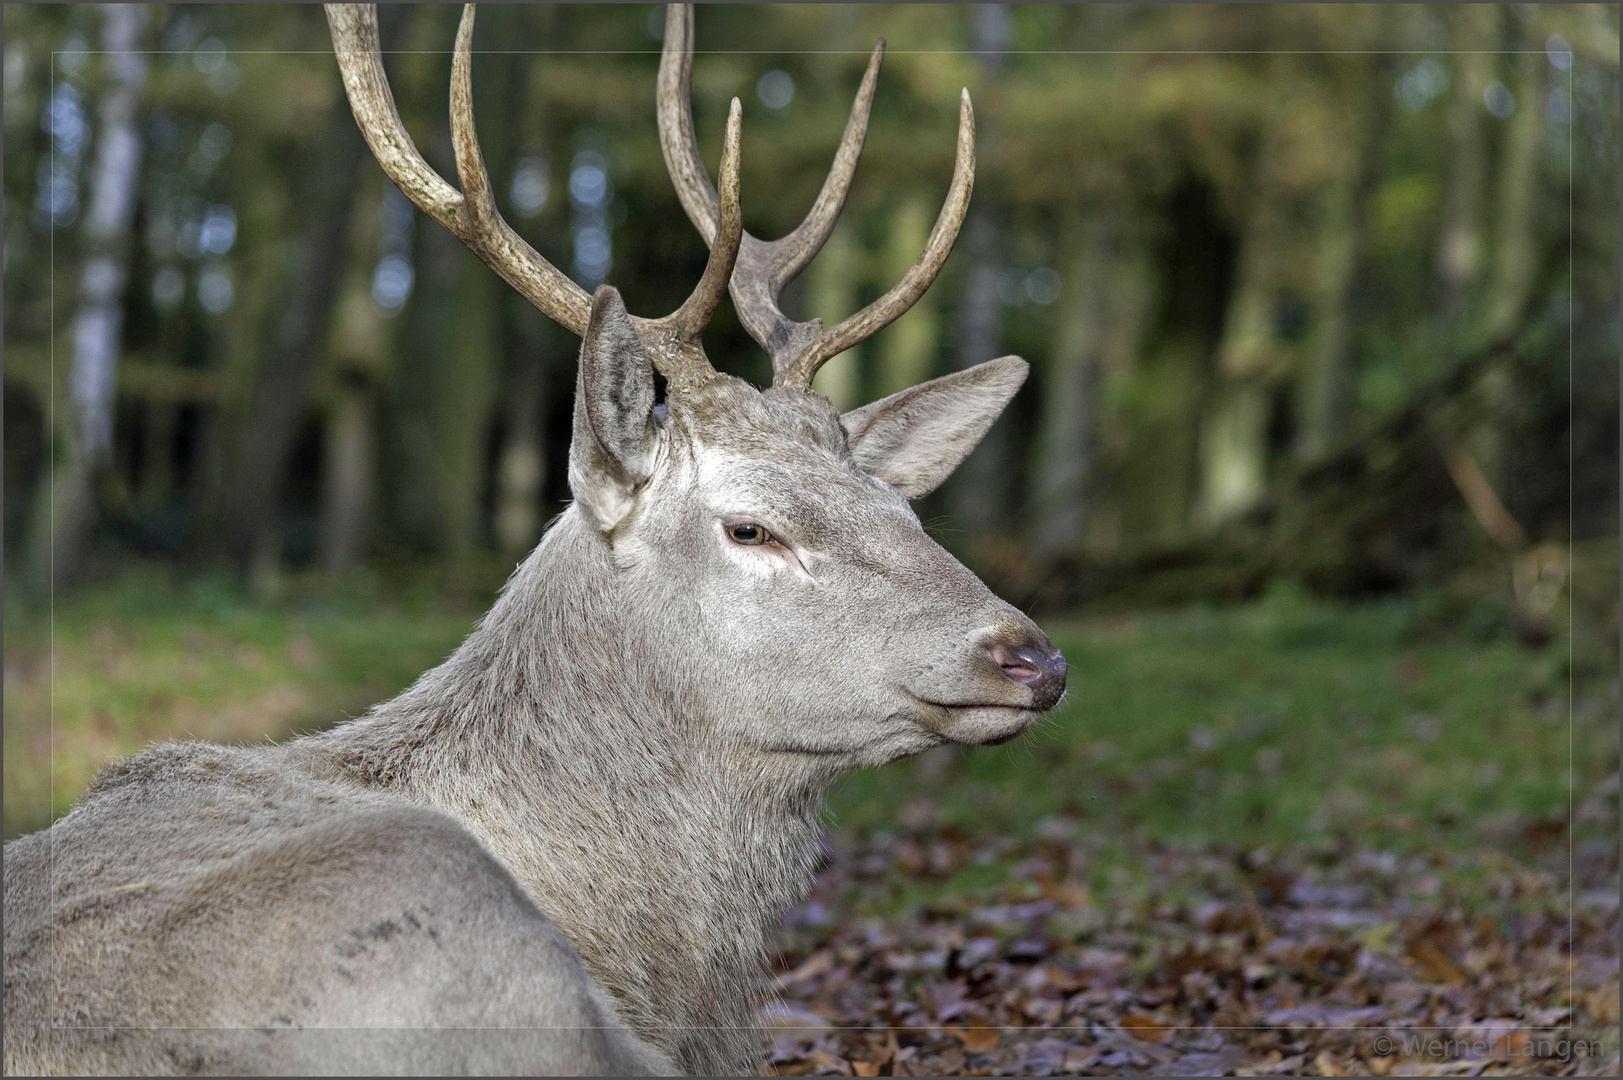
column 488, row 233
column 471, row 214
column 360, row 61
column 905, row 293
column 673, row 92
column 764, row 267
column 673, row 340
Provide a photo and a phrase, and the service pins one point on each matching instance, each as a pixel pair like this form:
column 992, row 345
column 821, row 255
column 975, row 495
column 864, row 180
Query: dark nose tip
column 1042, row 670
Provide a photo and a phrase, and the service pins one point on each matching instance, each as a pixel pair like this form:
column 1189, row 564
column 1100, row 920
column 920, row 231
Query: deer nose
column 1043, row 670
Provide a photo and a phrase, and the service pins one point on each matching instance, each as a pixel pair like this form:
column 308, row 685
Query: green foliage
column 1234, row 150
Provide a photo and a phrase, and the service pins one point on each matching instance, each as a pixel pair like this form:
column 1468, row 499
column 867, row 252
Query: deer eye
column 748, row 533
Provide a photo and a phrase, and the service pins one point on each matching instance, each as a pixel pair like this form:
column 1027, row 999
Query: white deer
column 561, row 850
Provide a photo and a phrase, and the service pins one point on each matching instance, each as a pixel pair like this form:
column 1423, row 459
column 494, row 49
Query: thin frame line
column 842, row 52
column 945, row 1029
column 1572, row 703
column 50, row 76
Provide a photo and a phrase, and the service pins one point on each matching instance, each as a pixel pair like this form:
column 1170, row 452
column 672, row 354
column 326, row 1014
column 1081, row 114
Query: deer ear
column 914, row 439
column 611, row 453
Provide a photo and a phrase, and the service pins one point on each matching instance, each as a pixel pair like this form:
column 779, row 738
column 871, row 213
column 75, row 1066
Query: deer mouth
column 975, row 722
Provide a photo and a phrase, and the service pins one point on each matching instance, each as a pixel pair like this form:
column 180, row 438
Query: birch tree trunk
column 98, row 322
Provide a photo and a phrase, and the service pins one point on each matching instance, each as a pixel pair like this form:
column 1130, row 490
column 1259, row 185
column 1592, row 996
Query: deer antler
column 471, row 214
column 764, row 267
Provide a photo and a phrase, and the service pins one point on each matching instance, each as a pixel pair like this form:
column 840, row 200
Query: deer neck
column 665, row 858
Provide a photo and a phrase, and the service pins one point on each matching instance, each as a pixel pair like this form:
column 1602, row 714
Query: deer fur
column 562, row 850
column 587, row 820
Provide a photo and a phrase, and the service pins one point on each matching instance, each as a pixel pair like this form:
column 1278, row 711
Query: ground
column 1285, row 836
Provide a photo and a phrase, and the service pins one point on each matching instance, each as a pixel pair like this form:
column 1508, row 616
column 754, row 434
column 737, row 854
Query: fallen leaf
column 977, row 1039
column 1436, row 965
column 1147, row 1028
column 831, row 1061
column 1327, row 1066
column 865, row 1068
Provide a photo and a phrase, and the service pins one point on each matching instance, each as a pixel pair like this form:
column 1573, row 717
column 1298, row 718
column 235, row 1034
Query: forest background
column 1315, row 477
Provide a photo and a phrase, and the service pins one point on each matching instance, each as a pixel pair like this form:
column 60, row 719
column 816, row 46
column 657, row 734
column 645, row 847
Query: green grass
column 152, row 657
column 1277, row 722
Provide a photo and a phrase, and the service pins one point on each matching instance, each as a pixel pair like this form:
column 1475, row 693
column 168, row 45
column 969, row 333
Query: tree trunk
column 522, row 466
column 1459, row 258
column 1515, row 258
column 249, row 498
column 61, row 535
column 445, row 387
column 1326, row 385
column 1515, row 216
column 347, row 483
column 832, row 292
column 1233, row 450
column 1234, row 429
column 907, row 348
column 157, row 454
column 980, row 493
column 1065, row 447
column 465, row 394
column 425, row 339
column 358, row 354
column 521, row 463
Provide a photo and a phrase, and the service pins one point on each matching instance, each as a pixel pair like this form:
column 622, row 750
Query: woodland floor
column 1330, row 960
column 1281, row 837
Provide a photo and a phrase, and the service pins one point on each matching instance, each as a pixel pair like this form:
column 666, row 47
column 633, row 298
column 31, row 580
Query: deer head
column 760, row 545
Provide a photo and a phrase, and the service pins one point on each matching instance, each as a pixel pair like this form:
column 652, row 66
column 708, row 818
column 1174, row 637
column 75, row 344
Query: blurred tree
column 1515, row 214
column 981, row 490
column 1326, row 384
column 1198, row 346
column 98, row 321
column 521, row 457
column 833, row 293
column 1460, row 252
column 1067, row 446
column 908, row 347
column 357, row 358
column 1234, row 427
column 249, row 496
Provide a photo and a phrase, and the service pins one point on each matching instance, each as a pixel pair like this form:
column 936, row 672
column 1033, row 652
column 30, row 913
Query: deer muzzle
column 1041, row 668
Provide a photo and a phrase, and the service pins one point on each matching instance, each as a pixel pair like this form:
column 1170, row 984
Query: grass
column 1277, row 722
column 150, row 657
column 1273, row 723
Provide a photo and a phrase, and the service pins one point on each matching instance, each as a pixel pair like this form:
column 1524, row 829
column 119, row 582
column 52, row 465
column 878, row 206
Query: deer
column 563, row 849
